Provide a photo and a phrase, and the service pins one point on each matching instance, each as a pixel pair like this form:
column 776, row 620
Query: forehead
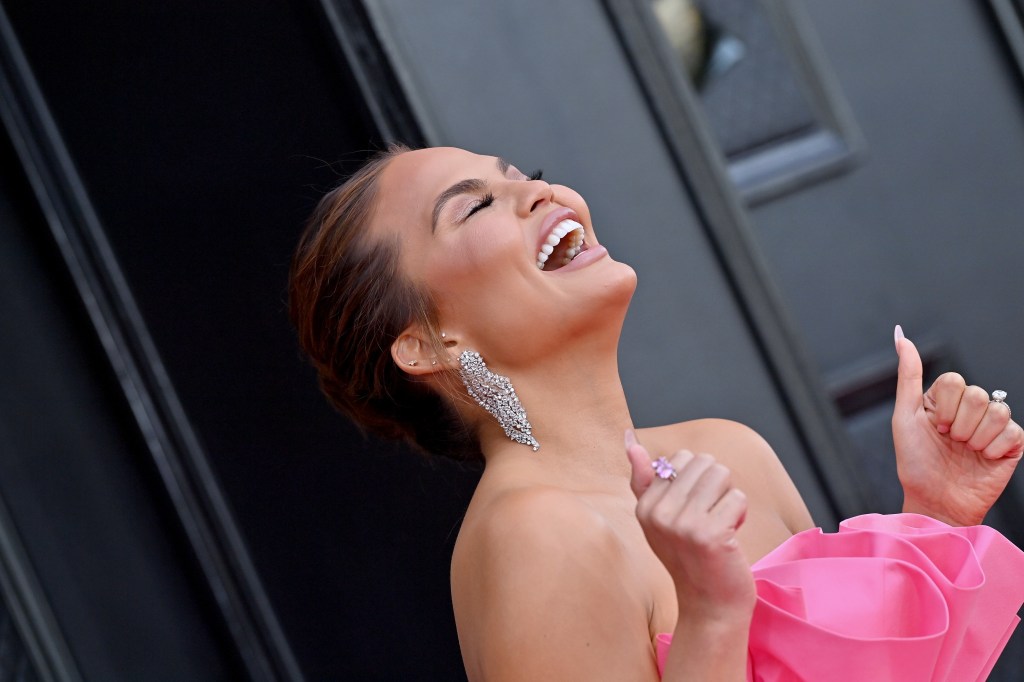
column 412, row 181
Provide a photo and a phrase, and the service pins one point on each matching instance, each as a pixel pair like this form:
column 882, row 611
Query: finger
column 970, row 412
column 689, row 468
column 909, row 389
column 641, row 474
column 1002, row 407
column 995, row 419
column 709, row 488
column 731, row 509
column 674, row 491
column 1009, row 443
column 944, row 397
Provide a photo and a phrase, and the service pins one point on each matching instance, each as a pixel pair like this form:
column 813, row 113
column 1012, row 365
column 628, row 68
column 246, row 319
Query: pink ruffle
column 888, row 598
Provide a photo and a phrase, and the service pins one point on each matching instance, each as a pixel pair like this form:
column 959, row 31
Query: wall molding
column 171, row 441
column 687, row 136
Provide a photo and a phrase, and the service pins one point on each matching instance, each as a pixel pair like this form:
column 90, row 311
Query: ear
column 414, row 352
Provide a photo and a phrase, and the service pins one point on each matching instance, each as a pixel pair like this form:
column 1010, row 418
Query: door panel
column 926, row 231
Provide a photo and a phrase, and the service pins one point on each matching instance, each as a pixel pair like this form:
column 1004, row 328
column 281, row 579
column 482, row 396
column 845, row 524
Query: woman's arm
column 544, row 589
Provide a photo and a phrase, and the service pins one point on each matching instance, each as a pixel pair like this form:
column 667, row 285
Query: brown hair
column 349, row 301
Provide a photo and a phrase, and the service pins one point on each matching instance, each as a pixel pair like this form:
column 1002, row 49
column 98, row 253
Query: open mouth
column 563, row 244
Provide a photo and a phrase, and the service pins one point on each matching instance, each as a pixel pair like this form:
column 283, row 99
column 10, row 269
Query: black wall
column 75, row 476
column 204, row 134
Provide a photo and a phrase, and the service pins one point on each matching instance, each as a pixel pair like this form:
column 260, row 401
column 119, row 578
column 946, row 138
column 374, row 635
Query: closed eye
column 484, row 202
column 488, row 198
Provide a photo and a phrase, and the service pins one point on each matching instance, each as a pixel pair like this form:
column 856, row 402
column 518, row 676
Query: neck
column 579, row 415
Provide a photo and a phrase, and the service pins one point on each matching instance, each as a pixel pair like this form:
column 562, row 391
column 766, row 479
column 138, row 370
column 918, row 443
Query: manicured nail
column 630, row 438
column 897, row 335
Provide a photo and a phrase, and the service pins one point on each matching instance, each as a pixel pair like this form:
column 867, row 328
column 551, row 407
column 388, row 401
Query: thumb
column 640, row 461
column 909, row 381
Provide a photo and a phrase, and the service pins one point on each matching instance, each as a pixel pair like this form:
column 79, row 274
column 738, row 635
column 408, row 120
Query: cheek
column 477, row 257
column 476, row 274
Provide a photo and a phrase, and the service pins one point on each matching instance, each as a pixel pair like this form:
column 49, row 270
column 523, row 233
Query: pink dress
column 888, row 598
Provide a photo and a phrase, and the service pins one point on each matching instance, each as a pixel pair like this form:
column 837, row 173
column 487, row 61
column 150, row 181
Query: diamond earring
column 495, row 393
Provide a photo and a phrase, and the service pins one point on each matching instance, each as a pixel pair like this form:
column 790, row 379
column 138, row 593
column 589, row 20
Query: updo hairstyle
column 349, row 301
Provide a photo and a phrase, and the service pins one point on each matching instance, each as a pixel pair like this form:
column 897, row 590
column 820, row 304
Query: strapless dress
column 888, row 598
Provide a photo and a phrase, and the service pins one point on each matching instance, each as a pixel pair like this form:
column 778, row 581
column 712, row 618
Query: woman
column 435, row 279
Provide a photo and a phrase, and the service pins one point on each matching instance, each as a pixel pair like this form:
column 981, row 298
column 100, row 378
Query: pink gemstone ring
column 663, row 469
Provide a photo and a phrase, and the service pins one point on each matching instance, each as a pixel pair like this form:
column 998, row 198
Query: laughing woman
column 434, row 280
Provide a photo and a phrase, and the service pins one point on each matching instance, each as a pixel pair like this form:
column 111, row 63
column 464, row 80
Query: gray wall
column 926, row 230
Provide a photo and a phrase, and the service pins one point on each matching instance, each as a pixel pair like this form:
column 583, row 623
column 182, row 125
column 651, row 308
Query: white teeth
column 558, row 233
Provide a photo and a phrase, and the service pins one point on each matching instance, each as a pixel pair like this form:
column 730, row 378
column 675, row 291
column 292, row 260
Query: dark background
column 204, row 138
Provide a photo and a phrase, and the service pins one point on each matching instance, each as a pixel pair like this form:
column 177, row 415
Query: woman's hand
column 955, row 450
column 690, row 523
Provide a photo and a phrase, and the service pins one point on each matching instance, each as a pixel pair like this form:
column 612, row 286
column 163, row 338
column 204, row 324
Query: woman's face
column 513, row 263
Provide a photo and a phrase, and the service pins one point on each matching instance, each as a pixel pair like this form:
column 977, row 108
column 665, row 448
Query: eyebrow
column 462, row 187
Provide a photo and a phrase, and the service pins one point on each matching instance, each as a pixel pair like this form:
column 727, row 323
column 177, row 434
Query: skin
column 571, row 559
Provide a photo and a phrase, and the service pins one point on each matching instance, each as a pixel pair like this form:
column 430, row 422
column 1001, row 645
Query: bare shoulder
column 517, row 525
column 733, row 443
column 710, row 435
column 522, row 534
column 541, row 590
column 744, row 451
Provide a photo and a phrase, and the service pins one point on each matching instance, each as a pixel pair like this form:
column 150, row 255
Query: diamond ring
column 999, row 396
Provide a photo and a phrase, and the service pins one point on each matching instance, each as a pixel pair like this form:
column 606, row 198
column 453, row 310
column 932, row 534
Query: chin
column 609, row 301
column 621, row 282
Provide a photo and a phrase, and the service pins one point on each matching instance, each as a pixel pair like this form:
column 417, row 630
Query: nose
column 533, row 195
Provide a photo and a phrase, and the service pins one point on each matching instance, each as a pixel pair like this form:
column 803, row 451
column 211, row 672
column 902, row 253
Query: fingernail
column 897, row 335
column 942, row 428
column 630, row 438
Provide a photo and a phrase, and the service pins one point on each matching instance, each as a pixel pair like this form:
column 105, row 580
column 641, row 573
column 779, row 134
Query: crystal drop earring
column 495, row 393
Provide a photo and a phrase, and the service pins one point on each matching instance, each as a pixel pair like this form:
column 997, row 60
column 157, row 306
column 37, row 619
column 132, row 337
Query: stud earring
column 495, row 393
column 412, row 363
